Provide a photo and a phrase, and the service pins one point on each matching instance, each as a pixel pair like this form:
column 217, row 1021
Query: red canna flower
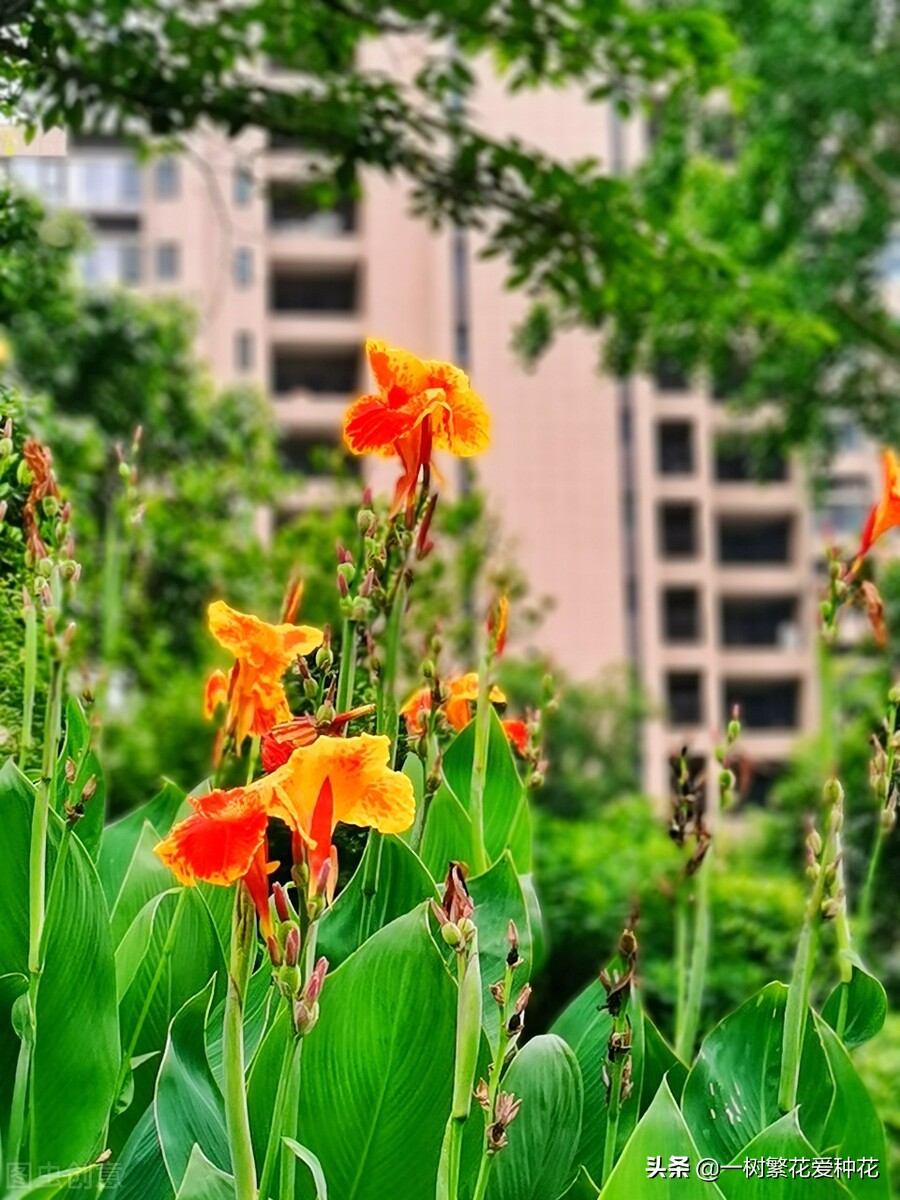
column 224, row 840
column 885, row 514
column 420, row 406
column 277, row 746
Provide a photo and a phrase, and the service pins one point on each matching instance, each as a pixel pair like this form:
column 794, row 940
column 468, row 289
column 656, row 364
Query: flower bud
column 894, row 695
column 889, row 819
column 50, row 505
column 274, row 951
column 3, row 508
column 310, row 689
column 282, row 904
column 343, row 589
column 6, row 447
column 726, row 780
column 45, row 567
column 833, row 792
column 292, row 947
column 428, row 669
column 452, row 936
column 89, row 789
column 324, row 658
column 347, row 571
column 325, row 714
column 734, row 730
column 70, row 770
column 365, row 519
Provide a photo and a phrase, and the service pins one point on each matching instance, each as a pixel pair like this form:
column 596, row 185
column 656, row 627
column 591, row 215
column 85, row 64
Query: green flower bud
column 365, row 519
column 347, row 570
column 45, row 568
column 310, row 689
column 6, row 447
column 452, row 936
column 833, row 792
column 894, row 695
column 23, row 473
column 325, row 714
column 324, row 658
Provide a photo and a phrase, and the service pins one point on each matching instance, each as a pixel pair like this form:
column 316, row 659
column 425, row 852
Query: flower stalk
column 237, row 1119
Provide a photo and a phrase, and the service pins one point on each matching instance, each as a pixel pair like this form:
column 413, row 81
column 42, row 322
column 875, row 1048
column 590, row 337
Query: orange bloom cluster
column 457, row 708
column 327, row 782
column 254, row 691
column 420, row 406
column 885, row 514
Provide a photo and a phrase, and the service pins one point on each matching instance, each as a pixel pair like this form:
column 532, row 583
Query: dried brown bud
column 70, row 770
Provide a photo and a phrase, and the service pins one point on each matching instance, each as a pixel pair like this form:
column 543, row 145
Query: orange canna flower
column 254, row 692
column 457, row 708
column 224, row 840
column 886, row 513
column 329, row 781
column 420, row 406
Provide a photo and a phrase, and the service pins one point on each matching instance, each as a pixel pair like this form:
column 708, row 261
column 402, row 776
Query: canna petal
column 370, row 427
column 219, row 842
column 398, row 373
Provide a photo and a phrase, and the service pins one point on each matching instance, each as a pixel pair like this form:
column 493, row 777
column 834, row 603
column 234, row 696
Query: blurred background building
column 633, row 505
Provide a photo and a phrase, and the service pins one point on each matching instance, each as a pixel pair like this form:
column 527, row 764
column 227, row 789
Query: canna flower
column 329, row 781
column 886, row 513
column 253, row 691
column 277, row 746
column 457, row 708
column 223, row 841
column 420, row 406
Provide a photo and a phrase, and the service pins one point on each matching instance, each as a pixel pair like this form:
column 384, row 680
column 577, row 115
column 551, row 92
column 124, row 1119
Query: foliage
column 571, row 230
column 878, row 1063
column 790, row 181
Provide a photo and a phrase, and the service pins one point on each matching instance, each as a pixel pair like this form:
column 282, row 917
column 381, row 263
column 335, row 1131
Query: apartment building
column 632, row 506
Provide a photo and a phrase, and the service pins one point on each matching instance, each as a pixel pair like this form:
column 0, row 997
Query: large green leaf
column 189, row 1109
column 853, row 1129
column 731, row 1094
column 865, row 1005
column 172, row 969
column 121, row 837
column 448, row 834
column 582, row 1187
column 76, row 1055
column 585, row 1025
column 660, row 1135
column 498, row 900
column 506, row 819
column 204, row 1181
column 544, row 1137
column 51, row 1184
column 140, row 1173
column 377, row 1070
column 389, row 881
column 258, row 1004
column 310, row 1161
column 754, row 1178
column 146, row 876
column 77, row 750
column 660, row 1062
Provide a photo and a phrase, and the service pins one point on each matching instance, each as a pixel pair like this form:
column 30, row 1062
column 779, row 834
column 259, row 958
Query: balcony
column 744, row 541
column 764, row 704
column 324, row 374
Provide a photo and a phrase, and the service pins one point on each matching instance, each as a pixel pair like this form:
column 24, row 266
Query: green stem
column 237, row 1120
column 387, row 718
column 801, row 978
column 168, row 946
column 480, row 860
column 112, row 585
column 868, row 890
column 681, row 965
column 347, row 675
column 289, row 1066
column 684, row 1046
column 494, row 1076
column 41, row 820
column 30, row 683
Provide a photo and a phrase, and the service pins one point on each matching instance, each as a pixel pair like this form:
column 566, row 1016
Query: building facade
column 632, row 506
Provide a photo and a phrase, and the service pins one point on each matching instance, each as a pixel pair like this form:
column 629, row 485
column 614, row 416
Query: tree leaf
column 731, row 1093
column 189, row 1109
column 400, row 883
column 377, row 1069
column 544, row 1137
column 661, row 1133
column 866, row 1006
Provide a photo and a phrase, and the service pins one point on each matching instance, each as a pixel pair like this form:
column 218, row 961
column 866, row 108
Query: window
column 327, row 373
column 847, row 502
column 52, row 179
column 166, row 181
column 763, row 703
column 738, row 461
column 764, row 776
column 675, row 448
column 764, row 541
column 678, row 530
column 291, row 209
column 333, row 291
column 681, row 614
column 242, row 187
column 243, row 267
column 130, row 262
column 669, row 374
column 244, row 351
column 168, row 260
column 683, row 698
column 760, row 621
